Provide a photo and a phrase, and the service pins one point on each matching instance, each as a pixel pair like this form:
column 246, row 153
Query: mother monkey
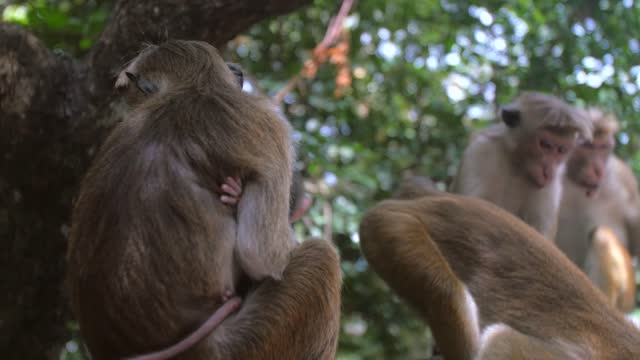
column 154, row 251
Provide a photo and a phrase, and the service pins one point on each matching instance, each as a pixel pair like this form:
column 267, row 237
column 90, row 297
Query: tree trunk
column 54, row 113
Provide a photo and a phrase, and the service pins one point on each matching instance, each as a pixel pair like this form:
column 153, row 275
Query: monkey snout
column 597, row 173
column 539, row 179
column 590, row 187
column 545, row 176
column 591, row 179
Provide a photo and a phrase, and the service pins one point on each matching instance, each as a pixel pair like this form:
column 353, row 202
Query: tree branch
column 34, row 83
column 133, row 23
column 319, row 53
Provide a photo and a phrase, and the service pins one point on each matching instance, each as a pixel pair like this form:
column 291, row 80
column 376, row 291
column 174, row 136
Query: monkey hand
column 227, row 295
column 301, row 208
column 231, row 191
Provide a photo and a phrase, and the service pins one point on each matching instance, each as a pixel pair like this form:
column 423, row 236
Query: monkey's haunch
column 216, row 319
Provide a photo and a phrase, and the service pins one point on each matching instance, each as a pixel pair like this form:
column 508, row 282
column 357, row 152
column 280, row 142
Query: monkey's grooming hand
column 231, row 191
column 301, row 208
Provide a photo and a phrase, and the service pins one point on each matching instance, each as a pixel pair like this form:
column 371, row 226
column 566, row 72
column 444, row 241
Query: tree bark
column 54, row 113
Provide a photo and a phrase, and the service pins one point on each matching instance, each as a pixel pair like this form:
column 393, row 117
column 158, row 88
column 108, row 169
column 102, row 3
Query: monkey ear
column 237, row 71
column 510, row 116
column 144, row 85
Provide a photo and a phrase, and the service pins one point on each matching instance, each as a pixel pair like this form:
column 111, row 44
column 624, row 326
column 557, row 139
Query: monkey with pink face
column 599, row 217
column 518, row 163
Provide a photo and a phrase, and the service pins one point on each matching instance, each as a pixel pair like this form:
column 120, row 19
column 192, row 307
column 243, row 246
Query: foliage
column 425, row 74
column 67, row 25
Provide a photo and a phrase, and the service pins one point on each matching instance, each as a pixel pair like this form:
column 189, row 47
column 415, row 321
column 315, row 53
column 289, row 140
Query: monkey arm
column 297, row 317
column 398, row 248
column 264, row 236
column 263, row 153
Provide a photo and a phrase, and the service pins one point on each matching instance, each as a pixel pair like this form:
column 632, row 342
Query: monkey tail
column 205, row 329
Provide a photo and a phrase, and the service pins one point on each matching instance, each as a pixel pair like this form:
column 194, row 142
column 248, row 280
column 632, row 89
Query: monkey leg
column 297, row 317
column 400, row 250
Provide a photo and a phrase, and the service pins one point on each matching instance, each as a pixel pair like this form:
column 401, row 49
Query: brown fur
column 153, row 249
column 433, row 250
column 505, row 163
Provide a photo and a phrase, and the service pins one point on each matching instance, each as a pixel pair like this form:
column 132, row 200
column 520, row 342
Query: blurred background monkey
column 600, row 190
column 518, row 163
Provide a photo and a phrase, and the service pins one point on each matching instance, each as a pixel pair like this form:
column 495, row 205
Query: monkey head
column 588, row 162
column 542, row 131
column 174, row 63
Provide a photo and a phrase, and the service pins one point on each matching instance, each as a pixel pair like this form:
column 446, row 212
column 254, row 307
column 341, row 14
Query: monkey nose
column 597, row 172
column 542, row 180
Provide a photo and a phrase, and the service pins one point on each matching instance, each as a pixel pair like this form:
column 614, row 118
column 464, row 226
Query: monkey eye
column 545, row 144
column 237, row 71
column 144, row 85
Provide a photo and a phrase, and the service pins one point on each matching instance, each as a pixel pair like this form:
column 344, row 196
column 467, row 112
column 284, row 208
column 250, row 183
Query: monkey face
column 544, row 153
column 588, row 162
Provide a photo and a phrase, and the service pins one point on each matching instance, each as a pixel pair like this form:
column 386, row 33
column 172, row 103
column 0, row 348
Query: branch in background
column 133, row 23
column 4, row 4
column 333, row 47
